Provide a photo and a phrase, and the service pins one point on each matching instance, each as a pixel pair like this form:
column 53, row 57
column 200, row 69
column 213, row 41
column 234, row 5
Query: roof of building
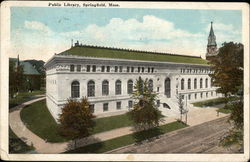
column 106, row 52
column 28, row 69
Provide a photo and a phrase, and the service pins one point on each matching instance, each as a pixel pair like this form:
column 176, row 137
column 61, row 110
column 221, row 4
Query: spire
column 211, row 37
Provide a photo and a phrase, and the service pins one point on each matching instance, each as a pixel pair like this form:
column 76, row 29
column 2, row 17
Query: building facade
column 107, row 77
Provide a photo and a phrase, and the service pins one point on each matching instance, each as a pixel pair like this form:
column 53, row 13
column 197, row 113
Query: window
column 78, row 68
column 105, row 107
column 108, row 68
column 182, row 84
column 182, row 97
column 116, row 68
column 168, row 87
column 201, row 83
column 91, row 88
column 128, row 69
column 142, row 69
column 158, row 89
column 94, row 68
column 103, row 68
column 120, row 69
column 150, row 85
column 118, row 105
column 132, row 69
column 75, row 89
column 88, row 68
column 206, row 83
column 195, row 96
column 130, row 104
column 189, row 83
column 195, row 83
column 105, row 88
column 212, row 94
column 152, row 70
column 92, row 108
column 72, row 68
column 139, row 69
column 201, row 94
column 207, row 94
column 148, row 70
column 118, row 87
column 158, row 103
column 189, row 96
column 130, row 87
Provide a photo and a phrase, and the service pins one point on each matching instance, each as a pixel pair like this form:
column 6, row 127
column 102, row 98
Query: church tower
column 211, row 45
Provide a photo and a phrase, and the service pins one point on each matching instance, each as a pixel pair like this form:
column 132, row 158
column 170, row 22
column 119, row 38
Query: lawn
column 24, row 97
column 39, row 120
column 213, row 102
column 16, row 145
column 108, row 145
column 225, row 111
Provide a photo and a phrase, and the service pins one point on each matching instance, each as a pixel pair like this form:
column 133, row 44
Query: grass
column 215, row 101
column 108, row 145
column 131, row 55
column 16, row 145
column 39, row 120
column 23, row 97
column 225, row 111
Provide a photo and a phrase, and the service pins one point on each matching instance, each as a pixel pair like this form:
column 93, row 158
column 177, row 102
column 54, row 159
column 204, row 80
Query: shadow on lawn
column 147, row 135
column 85, row 145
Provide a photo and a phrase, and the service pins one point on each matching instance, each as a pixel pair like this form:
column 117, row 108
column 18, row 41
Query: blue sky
column 39, row 32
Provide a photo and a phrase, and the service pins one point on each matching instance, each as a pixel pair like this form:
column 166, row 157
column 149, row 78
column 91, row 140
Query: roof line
column 133, row 50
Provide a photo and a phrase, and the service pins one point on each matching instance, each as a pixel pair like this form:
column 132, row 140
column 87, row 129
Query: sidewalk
column 195, row 116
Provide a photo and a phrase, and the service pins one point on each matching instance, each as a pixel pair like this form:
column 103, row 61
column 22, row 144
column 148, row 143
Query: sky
column 40, row 32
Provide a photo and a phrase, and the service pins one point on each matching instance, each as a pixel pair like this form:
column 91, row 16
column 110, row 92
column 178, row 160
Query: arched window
column 195, row 83
column 206, row 83
column 130, row 86
column 189, row 83
column 201, row 83
column 150, row 85
column 182, row 84
column 118, row 87
column 105, row 88
column 91, row 88
column 168, row 87
column 75, row 89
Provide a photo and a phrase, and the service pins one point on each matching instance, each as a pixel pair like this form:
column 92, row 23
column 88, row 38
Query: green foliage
column 131, row 55
column 108, row 145
column 76, row 119
column 235, row 137
column 237, row 114
column 228, row 68
column 144, row 113
column 216, row 101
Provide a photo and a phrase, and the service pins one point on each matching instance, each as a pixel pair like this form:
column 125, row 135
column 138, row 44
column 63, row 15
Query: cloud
column 37, row 26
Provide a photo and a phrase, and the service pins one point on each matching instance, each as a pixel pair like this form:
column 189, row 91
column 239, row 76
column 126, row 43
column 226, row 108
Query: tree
column 144, row 113
column 228, row 76
column 76, row 119
column 181, row 105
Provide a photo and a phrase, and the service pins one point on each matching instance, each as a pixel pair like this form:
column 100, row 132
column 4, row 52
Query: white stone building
column 107, row 76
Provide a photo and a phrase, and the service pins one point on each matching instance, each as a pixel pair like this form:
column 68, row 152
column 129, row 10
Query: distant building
column 211, row 45
column 107, row 77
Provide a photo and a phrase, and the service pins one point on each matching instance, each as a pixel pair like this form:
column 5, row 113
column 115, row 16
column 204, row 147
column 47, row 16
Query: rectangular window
column 128, row 69
column 92, row 108
column 158, row 89
column 142, row 69
column 207, row 94
column 132, row 69
column 149, row 70
column 201, row 94
column 182, row 97
column 152, row 70
column 118, row 105
column 120, row 69
column 105, row 107
column 158, row 103
column 88, row 68
column 195, row 96
column 130, row 104
column 103, row 68
column 94, row 68
column 139, row 69
column 78, row 68
column 116, row 68
column 108, row 68
column 211, row 93
column 189, row 96
column 72, row 68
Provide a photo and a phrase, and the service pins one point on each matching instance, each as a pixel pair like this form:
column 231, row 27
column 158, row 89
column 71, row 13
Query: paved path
column 195, row 116
column 197, row 139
